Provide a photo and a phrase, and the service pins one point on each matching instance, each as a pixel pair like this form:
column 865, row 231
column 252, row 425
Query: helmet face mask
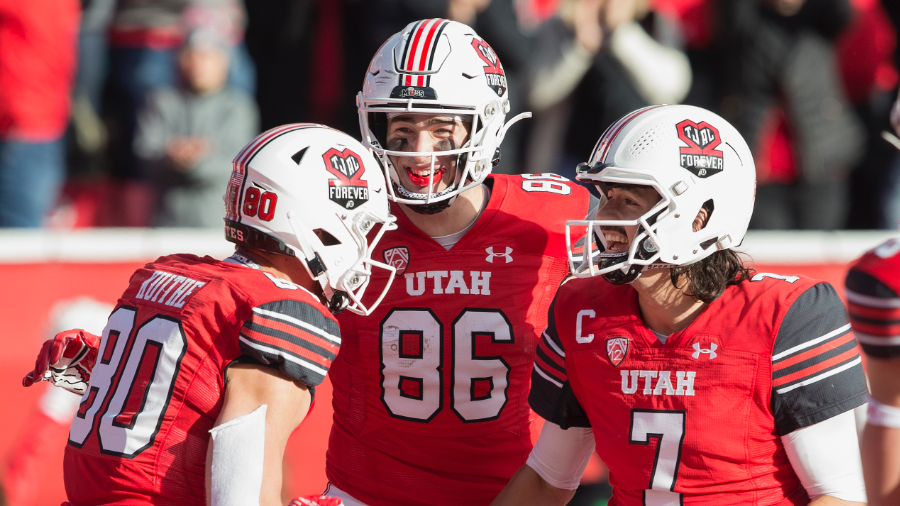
column 694, row 160
column 314, row 193
column 437, row 67
column 623, row 266
column 438, row 170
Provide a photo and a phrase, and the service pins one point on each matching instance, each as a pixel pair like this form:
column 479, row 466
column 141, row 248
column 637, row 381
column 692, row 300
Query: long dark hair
column 708, row 278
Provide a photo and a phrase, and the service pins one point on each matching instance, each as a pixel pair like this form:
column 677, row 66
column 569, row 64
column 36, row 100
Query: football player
column 696, row 380
column 206, row 366
column 873, row 285
column 430, row 391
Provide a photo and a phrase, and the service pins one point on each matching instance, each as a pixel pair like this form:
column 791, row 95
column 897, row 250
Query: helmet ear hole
column 703, row 216
column 326, row 238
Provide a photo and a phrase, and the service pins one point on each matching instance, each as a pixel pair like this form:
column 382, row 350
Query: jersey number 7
column 667, row 427
column 132, row 381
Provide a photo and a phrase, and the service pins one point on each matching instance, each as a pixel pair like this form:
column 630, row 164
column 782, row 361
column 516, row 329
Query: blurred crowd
column 128, row 112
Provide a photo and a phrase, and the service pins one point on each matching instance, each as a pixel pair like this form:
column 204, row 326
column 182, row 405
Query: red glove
column 317, row 500
column 66, row 360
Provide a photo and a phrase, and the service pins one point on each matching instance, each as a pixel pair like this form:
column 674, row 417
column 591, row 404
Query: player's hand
column 66, row 360
column 317, row 500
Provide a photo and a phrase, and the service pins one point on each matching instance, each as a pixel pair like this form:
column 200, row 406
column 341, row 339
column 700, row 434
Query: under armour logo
column 491, row 254
column 711, row 350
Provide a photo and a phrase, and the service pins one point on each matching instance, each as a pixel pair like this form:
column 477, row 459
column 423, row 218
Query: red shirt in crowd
column 37, row 66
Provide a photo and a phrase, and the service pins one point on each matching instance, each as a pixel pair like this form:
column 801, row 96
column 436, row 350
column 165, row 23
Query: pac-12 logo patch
column 398, row 258
column 493, row 70
column 616, row 349
column 348, row 189
column 700, row 156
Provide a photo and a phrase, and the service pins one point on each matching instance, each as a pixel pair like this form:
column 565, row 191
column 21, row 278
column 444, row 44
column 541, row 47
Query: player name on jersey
column 479, row 282
column 684, row 382
column 168, row 289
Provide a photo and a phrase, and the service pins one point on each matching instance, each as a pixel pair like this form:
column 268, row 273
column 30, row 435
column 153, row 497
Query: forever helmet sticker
column 700, row 156
column 348, row 190
column 493, row 70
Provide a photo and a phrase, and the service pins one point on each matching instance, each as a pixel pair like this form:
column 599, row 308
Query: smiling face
column 425, row 133
column 626, row 202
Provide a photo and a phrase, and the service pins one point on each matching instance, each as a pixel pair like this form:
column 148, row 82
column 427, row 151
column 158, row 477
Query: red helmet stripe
column 413, row 50
column 426, row 52
column 404, row 79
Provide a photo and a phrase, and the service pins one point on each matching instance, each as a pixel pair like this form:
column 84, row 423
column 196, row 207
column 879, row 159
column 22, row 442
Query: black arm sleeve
column 292, row 336
column 816, row 367
column 551, row 395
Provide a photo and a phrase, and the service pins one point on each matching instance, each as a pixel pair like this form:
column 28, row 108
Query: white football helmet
column 315, row 193
column 694, row 159
column 437, row 66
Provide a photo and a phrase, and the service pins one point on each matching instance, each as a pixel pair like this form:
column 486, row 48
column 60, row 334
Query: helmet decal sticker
column 616, row 349
column 232, row 194
column 422, row 92
column 348, row 190
column 493, row 70
column 700, row 156
column 418, row 55
column 398, row 258
column 259, row 203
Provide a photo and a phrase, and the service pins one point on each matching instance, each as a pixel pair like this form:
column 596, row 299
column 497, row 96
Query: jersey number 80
column 133, row 378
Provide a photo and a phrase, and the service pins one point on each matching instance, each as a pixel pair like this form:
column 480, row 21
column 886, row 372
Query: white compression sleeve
column 560, row 456
column 826, row 458
column 237, row 460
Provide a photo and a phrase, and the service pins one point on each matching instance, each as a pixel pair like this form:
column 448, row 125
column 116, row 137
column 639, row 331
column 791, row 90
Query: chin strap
column 338, row 302
column 432, row 208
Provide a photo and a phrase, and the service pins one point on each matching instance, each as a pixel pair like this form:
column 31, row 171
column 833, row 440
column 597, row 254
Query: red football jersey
column 697, row 420
column 873, row 285
column 430, row 391
column 141, row 433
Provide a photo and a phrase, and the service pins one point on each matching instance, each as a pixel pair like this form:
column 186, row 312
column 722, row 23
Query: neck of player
column 454, row 219
column 285, row 267
column 665, row 308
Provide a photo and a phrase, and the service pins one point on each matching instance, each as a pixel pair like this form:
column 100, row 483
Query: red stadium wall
column 29, row 288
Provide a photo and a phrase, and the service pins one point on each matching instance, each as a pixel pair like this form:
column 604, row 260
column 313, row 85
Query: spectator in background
column 779, row 55
column 144, row 38
column 90, row 133
column 187, row 136
column 892, row 9
column 599, row 60
column 37, row 65
column 865, row 56
column 48, row 425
